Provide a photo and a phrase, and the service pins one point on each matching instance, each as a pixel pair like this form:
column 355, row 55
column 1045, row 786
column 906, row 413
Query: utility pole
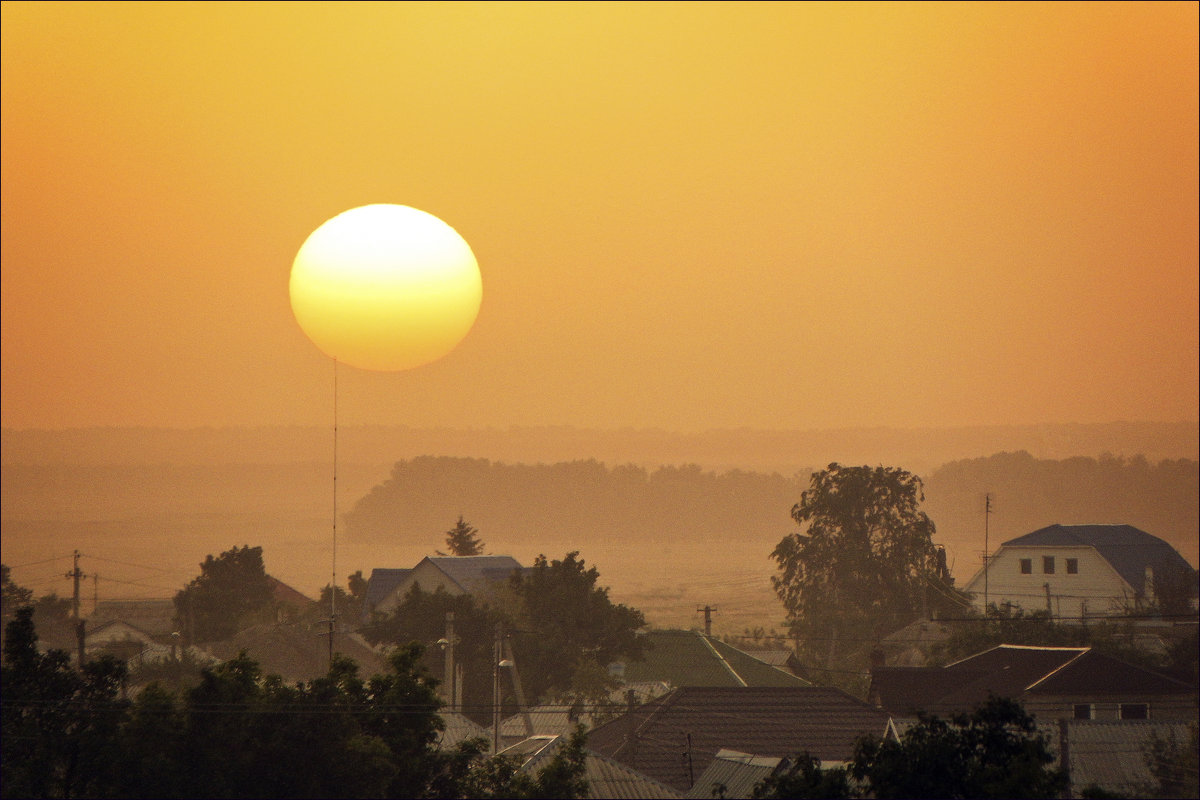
column 451, row 640
column 80, row 632
column 708, row 612
column 520, row 693
column 987, row 553
column 497, row 655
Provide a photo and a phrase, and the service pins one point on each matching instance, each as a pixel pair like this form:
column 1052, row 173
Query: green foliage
column 231, row 586
column 349, row 604
column 804, row 778
column 563, row 776
column 238, row 733
column 565, row 620
column 59, row 724
column 1174, row 765
column 996, row 752
column 421, row 617
column 864, row 564
column 563, row 628
column 1174, row 588
column 463, row 540
column 12, row 596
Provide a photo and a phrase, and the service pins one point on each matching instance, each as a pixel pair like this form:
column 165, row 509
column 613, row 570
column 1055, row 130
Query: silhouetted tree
column 421, row 617
column 59, row 724
column 1175, row 765
column 231, row 586
column 995, row 752
column 865, row 559
column 463, row 539
column 804, row 778
column 565, row 622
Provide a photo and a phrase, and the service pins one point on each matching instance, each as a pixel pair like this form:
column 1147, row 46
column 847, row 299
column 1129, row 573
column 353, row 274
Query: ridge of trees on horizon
column 572, row 503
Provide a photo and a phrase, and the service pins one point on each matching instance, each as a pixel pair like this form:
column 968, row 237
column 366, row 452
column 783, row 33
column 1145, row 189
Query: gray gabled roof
column 473, row 572
column 1126, row 548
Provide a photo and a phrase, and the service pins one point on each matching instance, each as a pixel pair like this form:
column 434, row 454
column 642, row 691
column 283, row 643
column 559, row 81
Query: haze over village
column 647, row 400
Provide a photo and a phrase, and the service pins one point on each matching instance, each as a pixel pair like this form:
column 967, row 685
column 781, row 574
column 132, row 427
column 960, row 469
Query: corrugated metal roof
column 606, row 777
column 458, row 729
column 1111, row 754
column 734, row 775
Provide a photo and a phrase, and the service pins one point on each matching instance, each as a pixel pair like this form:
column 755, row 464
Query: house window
column 1026, row 566
column 1083, row 711
column 1134, row 711
column 1072, row 566
column 1048, row 565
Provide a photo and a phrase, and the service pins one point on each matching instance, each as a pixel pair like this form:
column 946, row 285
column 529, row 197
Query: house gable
column 454, row 574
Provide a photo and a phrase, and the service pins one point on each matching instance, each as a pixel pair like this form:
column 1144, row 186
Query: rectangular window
column 1072, row 566
column 1083, row 711
column 1026, row 566
column 1048, row 565
column 1134, row 711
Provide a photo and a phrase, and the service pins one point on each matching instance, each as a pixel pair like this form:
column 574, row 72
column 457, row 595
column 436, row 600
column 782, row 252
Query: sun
column 385, row 287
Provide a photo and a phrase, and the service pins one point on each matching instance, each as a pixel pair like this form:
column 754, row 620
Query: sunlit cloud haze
column 687, row 216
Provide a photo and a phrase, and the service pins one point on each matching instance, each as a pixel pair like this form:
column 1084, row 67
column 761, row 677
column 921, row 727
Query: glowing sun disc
column 385, row 287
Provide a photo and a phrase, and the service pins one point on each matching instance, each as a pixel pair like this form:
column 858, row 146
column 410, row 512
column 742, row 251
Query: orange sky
column 686, row 216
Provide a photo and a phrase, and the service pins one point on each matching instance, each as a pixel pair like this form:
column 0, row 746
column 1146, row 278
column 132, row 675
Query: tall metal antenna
column 987, row 553
column 333, row 582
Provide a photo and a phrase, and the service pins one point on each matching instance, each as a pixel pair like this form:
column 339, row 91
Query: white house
column 1076, row 571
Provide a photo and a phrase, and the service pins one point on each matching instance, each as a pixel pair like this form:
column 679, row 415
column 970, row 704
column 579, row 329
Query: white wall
column 1096, row 590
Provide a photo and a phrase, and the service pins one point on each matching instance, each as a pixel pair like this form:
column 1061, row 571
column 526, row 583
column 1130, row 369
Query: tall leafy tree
column 231, row 586
column 995, row 752
column 865, row 559
column 568, row 624
column 421, row 617
column 463, row 539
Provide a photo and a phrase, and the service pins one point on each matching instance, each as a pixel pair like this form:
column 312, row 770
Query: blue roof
column 1126, row 548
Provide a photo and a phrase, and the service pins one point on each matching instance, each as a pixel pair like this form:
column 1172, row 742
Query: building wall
column 1095, row 590
column 1164, row 708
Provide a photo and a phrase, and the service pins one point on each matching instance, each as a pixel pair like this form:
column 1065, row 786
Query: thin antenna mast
column 333, row 583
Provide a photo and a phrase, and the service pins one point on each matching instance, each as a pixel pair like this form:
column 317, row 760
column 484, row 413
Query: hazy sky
column 686, row 216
